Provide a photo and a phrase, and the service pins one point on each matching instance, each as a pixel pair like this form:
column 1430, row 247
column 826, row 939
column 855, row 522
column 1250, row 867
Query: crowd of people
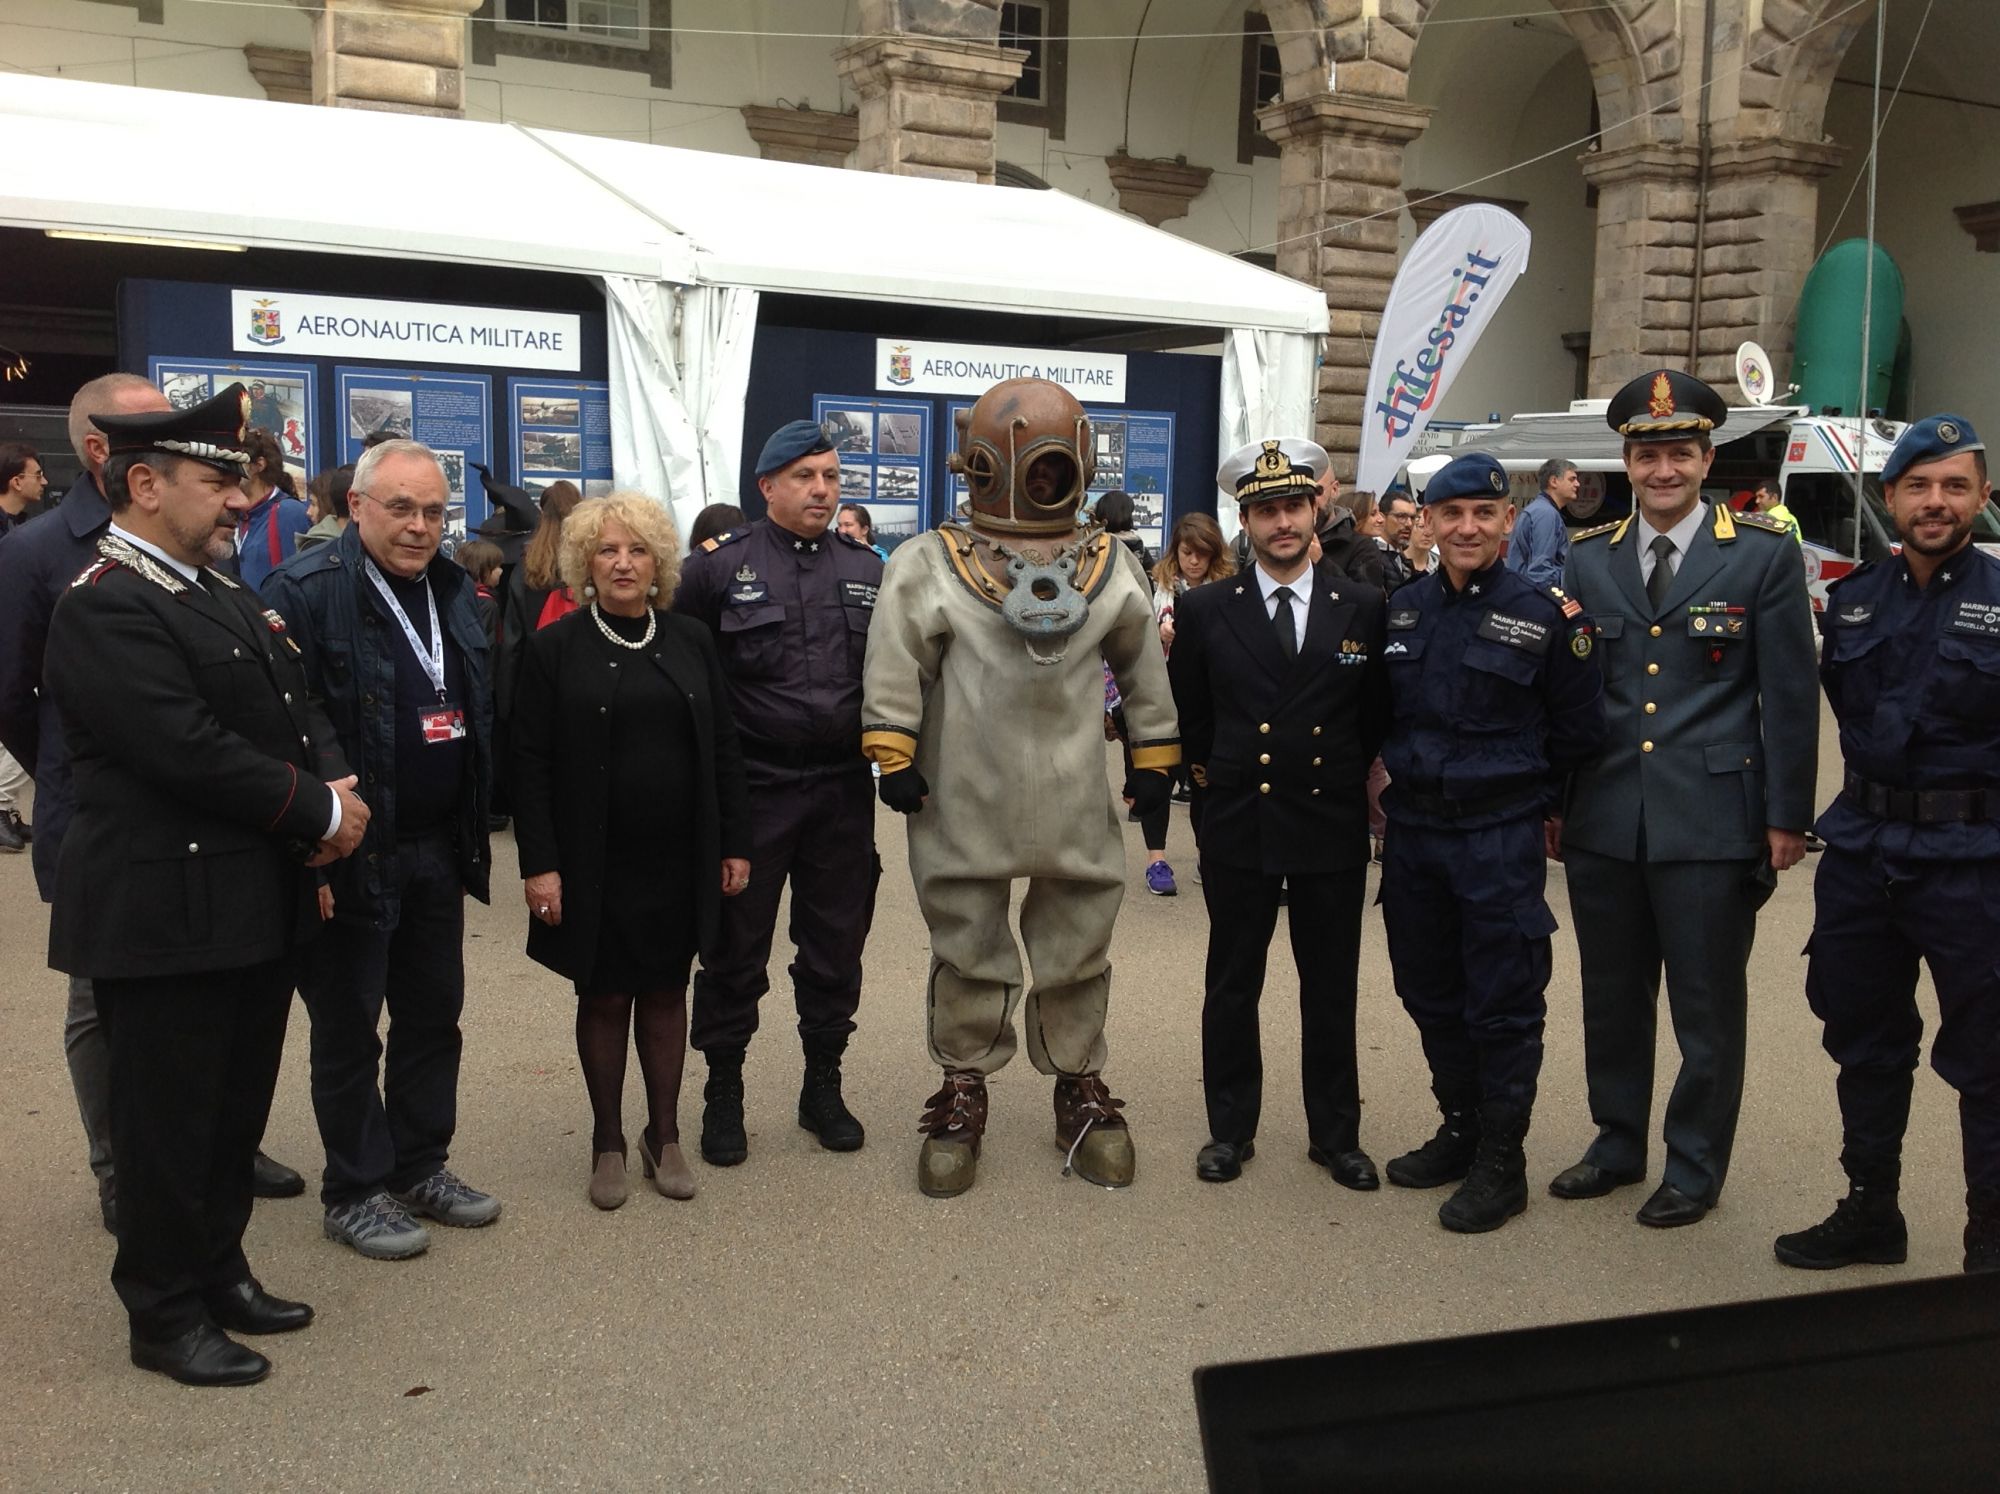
column 683, row 731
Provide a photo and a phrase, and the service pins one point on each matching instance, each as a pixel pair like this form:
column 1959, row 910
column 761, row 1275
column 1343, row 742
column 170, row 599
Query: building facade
column 1682, row 163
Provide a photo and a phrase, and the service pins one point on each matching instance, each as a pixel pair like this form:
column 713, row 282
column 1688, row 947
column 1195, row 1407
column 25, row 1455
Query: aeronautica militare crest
column 267, row 325
column 900, row 365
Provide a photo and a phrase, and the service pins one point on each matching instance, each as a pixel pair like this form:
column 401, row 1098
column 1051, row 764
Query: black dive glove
column 1147, row 788
column 903, row 790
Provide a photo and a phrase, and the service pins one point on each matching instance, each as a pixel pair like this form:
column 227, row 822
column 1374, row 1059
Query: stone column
column 1341, row 160
column 929, row 74
column 404, row 56
column 812, row 137
column 1640, row 309
column 1763, row 234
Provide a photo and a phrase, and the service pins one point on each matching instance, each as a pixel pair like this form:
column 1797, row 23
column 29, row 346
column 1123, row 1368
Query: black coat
column 1351, row 552
column 199, row 762
column 1284, row 747
column 562, row 810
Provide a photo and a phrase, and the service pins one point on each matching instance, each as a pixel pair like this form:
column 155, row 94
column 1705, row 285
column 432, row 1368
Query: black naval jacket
column 790, row 617
column 199, row 763
column 1284, row 747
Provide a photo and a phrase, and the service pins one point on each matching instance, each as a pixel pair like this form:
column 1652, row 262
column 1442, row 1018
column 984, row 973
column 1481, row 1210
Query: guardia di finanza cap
column 210, row 432
column 789, row 442
column 1931, row 440
column 1284, row 468
column 1665, row 405
column 1474, row 475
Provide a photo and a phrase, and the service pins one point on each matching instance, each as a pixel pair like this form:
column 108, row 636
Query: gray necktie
column 1663, row 571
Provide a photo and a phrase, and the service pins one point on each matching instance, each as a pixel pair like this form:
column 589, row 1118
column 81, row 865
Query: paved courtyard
column 810, row 1321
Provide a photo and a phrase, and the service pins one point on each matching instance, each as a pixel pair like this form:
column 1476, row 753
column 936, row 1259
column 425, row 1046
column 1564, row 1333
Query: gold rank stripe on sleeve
column 1159, row 755
column 890, row 748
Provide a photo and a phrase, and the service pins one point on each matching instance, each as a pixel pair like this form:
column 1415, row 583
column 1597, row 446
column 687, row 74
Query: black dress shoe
column 1350, row 1169
column 1588, row 1180
column 1670, row 1208
column 204, row 1355
column 270, row 1179
column 1222, row 1161
column 247, row 1308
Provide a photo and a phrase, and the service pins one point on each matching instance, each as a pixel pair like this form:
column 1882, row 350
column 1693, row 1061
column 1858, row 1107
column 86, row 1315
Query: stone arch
column 1372, row 53
column 1789, row 66
column 1634, row 52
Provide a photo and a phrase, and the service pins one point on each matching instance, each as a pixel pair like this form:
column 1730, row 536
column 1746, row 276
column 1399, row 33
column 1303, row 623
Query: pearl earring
column 653, row 590
column 589, row 591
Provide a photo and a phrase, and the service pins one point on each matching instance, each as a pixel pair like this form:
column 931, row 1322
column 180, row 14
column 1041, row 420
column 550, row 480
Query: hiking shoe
column 1160, row 879
column 377, row 1227
column 1864, row 1227
column 449, row 1199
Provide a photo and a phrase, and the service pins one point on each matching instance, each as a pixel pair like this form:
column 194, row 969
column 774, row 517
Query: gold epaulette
column 1593, row 533
column 1762, row 521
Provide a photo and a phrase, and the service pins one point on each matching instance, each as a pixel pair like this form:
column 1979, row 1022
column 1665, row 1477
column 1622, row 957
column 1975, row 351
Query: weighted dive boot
column 822, row 1111
column 723, row 1142
column 1447, row 1156
column 1093, row 1133
column 1496, row 1186
column 1982, row 1231
column 1864, row 1227
column 954, row 1120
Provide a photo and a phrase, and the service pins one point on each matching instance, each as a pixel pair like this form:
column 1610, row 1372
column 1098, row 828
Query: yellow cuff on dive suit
column 890, row 748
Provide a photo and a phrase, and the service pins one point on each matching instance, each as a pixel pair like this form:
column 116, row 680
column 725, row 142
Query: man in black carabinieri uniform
column 206, row 781
column 1497, row 699
column 1279, row 682
column 790, row 599
column 1911, row 871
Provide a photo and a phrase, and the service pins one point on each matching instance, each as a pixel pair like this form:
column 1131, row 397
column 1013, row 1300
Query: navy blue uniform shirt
column 1913, row 676
column 1497, row 696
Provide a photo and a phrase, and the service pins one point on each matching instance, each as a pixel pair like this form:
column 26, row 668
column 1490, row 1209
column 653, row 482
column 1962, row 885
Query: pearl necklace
column 652, row 627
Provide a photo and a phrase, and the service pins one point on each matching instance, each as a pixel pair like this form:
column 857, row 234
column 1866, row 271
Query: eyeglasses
column 402, row 510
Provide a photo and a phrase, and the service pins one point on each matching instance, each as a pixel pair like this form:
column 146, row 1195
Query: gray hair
column 1553, row 468
column 375, row 456
column 98, row 397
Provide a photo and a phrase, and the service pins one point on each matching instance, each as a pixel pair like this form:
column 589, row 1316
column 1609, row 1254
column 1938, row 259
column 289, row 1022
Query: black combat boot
column 1447, row 1156
column 1982, row 1230
column 1496, row 1186
column 723, row 1143
column 821, row 1109
column 1864, row 1227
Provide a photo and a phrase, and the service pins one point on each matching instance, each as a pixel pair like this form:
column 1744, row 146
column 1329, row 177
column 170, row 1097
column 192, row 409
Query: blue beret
column 1930, row 441
column 800, row 438
column 1475, row 475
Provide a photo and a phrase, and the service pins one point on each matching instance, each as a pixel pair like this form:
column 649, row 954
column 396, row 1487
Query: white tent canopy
column 667, row 231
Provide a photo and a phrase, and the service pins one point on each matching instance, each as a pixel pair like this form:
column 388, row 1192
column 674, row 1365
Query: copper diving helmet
column 1026, row 454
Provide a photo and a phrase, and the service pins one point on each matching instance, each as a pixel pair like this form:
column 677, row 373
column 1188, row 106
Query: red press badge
column 445, row 724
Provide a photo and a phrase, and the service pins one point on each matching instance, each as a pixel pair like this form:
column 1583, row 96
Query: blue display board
column 1135, row 453
column 284, row 399
column 449, row 412
column 560, row 428
column 884, row 447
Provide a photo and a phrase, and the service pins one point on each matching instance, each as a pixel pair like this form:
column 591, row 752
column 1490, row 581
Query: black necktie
column 1663, row 571
column 1288, row 636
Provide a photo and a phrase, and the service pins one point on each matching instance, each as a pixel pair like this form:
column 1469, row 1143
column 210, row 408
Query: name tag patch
column 857, row 594
column 1515, row 632
column 1982, row 619
column 1404, row 617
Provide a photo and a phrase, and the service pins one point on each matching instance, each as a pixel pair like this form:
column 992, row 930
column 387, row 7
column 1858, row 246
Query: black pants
column 388, row 1126
column 1875, row 917
column 1324, row 912
column 817, row 831
column 194, row 1059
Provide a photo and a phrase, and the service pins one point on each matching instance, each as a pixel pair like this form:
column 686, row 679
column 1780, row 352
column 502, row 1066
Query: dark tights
column 602, row 1026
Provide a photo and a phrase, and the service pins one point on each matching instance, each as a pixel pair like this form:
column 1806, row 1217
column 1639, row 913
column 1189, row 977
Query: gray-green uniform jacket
column 1713, row 700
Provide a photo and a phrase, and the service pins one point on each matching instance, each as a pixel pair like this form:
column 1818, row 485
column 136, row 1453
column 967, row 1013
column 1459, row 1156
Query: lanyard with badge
column 445, row 722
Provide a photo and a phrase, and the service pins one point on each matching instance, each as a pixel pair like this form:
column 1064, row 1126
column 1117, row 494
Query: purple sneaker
column 1160, row 879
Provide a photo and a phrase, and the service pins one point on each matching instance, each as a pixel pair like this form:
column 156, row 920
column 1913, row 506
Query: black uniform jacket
column 1284, row 746
column 199, row 763
column 562, row 810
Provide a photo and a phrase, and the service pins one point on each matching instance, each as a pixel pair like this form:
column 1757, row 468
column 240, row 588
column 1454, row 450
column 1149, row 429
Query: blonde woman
column 631, row 818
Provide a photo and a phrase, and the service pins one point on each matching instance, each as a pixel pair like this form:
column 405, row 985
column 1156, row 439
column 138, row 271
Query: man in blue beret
column 1497, row 700
column 1674, row 836
column 1911, row 665
column 790, row 599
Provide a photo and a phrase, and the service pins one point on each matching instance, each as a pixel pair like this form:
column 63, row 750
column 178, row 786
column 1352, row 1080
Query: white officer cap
column 1268, row 469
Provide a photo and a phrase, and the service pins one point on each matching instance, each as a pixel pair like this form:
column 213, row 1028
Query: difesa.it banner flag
column 1451, row 283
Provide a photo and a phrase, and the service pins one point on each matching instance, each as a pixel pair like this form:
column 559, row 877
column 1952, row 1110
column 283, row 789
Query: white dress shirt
column 1301, row 598
column 1682, row 534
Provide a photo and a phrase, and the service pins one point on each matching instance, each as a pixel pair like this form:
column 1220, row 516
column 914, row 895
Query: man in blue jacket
column 1539, row 547
column 393, row 645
